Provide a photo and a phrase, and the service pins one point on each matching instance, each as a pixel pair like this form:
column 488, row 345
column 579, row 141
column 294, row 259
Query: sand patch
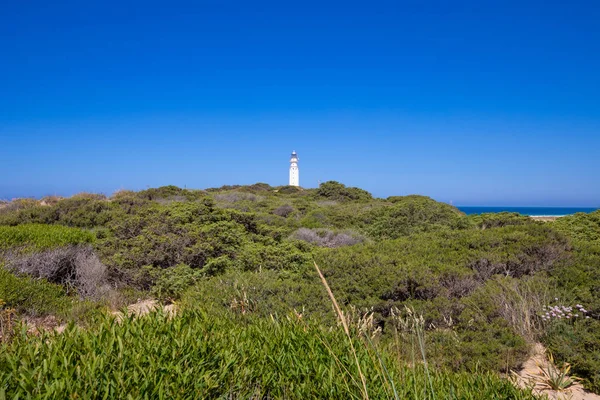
column 531, row 376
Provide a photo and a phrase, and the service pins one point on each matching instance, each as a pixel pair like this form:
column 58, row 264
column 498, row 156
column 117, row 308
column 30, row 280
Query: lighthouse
column 294, row 172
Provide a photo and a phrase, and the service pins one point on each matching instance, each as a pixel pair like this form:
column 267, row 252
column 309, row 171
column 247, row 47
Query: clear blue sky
column 474, row 102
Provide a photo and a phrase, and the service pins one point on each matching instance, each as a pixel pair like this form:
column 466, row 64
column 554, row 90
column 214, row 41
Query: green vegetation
column 32, row 296
column 197, row 356
column 240, row 259
column 36, row 237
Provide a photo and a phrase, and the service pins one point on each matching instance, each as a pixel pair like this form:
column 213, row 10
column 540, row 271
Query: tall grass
column 205, row 356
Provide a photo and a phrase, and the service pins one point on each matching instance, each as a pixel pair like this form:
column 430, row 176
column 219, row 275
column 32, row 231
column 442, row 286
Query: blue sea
column 531, row 211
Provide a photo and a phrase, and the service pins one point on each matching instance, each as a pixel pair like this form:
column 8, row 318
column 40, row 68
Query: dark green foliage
column 257, row 187
column 83, row 212
column 441, row 276
column 580, row 226
column 171, row 193
column 169, row 283
column 337, row 191
column 498, row 220
column 412, row 214
column 286, row 256
column 579, row 344
column 289, row 190
column 263, row 293
column 32, row 296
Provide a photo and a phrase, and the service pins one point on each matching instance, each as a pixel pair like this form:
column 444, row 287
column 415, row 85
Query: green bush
column 337, row 191
column 35, row 297
column 169, row 283
column 580, row 226
column 262, row 293
column 413, row 214
column 498, row 220
column 171, row 193
column 577, row 343
column 289, row 190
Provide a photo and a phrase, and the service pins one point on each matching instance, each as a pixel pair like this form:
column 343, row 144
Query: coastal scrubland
column 437, row 304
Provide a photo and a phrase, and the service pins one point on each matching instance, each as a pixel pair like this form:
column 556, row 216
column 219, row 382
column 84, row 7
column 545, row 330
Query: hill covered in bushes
column 482, row 287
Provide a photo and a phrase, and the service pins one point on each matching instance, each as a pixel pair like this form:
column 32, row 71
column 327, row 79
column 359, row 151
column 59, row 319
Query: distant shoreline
column 534, row 212
column 546, row 218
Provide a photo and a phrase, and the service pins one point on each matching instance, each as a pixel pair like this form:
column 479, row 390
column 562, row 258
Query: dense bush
column 580, row 226
column 170, row 283
column 172, row 193
column 498, row 220
column 289, row 190
column 412, row 214
column 263, row 293
column 337, row 191
column 32, row 296
column 577, row 342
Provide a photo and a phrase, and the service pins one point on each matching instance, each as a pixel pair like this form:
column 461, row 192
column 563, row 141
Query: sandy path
column 531, row 376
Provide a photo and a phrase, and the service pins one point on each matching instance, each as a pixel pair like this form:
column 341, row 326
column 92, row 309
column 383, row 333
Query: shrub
column 29, row 296
column 283, row 257
column 170, row 283
column 498, row 220
column 50, row 200
column 18, row 204
column 578, row 343
column 289, row 190
column 170, row 193
column 89, row 196
column 76, row 267
column 327, row 238
column 284, row 210
column 234, row 197
column 580, row 226
column 257, row 187
column 337, row 191
column 413, row 214
column 261, row 293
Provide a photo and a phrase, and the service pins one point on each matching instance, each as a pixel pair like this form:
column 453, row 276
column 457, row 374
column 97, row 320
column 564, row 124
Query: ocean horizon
column 530, row 211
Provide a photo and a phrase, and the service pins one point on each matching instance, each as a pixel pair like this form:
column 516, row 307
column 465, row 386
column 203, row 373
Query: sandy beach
column 545, row 218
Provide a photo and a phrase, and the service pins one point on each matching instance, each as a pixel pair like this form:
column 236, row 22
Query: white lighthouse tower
column 294, row 172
